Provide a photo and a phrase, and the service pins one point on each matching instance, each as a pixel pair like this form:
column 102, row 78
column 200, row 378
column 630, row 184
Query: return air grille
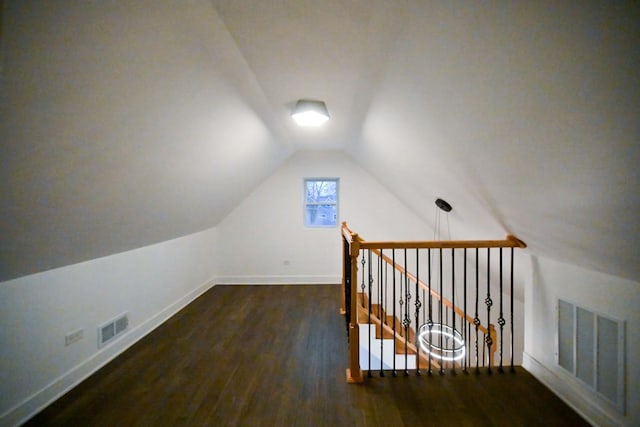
column 112, row 329
column 591, row 348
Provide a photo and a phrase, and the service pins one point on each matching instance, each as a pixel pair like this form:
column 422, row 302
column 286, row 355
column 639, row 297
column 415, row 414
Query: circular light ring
column 453, row 346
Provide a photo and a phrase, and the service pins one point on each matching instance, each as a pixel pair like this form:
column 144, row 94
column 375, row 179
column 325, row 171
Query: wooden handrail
column 509, row 242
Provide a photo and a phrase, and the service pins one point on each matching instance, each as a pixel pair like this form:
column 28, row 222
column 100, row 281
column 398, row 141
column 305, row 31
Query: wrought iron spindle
column 453, row 303
column 430, row 321
column 381, row 311
column 464, row 322
column 418, row 304
column 489, row 303
column 469, row 326
column 393, row 258
column 441, row 345
column 406, row 322
column 346, row 259
column 484, row 350
column 362, row 285
column 511, row 312
column 370, row 299
column 501, row 321
column 476, row 319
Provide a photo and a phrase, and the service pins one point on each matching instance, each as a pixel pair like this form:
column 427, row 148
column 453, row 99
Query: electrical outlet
column 72, row 337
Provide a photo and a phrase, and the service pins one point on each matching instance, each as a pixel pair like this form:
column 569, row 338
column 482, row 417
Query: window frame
column 306, row 203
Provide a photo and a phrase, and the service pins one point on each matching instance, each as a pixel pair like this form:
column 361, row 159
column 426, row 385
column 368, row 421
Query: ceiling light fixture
column 310, row 113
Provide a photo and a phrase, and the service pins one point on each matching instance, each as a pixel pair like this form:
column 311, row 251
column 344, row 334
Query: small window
column 321, row 202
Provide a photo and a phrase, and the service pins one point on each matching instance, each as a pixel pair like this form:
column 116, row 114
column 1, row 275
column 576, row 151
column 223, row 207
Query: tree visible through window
column 321, row 202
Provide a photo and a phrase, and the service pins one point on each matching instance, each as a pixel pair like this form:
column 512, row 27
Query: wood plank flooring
column 276, row 356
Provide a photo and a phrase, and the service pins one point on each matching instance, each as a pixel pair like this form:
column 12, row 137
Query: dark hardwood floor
column 276, row 356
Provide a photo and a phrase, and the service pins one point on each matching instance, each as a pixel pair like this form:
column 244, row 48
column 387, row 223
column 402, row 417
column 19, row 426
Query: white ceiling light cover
column 310, row 113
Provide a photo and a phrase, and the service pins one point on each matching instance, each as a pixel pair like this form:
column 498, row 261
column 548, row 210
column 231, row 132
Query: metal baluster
column 476, row 319
column 370, row 299
column 393, row 257
column 501, row 321
column 441, row 325
column 380, row 311
column 484, row 350
column 464, row 322
column 511, row 314
column 418, row 304
column 453, row 303
column 489, row 303
column 430, row 321
column 362, row 285
column 424, row 299
column 469, row 325
column 406, row 322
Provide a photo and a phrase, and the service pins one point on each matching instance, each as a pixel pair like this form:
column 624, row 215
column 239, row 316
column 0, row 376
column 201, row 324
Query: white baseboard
column 574, row 394
column 278, row 280
column 44, row 397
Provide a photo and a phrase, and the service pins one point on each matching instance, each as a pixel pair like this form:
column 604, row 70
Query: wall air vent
column 110, row 330
column 591, row 348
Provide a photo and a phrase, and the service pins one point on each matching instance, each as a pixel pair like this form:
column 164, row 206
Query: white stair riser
column 387, row 355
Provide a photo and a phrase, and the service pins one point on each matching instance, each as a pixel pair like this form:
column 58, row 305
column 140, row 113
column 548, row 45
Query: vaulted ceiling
column 128, row 123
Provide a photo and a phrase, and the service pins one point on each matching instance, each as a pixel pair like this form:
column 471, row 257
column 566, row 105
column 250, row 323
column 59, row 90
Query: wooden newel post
column 345, row 259
column 494, row 343
column 354, row 373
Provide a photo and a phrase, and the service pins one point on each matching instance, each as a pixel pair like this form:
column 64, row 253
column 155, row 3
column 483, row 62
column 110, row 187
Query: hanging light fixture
column 310, row 113
column 438, row 339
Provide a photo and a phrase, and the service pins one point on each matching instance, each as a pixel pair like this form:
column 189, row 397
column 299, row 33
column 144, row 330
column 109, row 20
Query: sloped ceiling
column 128, row 123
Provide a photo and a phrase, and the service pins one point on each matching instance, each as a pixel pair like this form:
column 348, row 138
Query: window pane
column 321, row 215
column 321, row 191
column 321, row 202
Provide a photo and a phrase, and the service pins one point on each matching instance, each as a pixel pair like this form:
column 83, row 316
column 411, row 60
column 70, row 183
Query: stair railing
column 381, row 278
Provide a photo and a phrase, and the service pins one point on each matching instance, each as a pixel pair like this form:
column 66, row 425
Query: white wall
column 37, row 311
column 611, row 296
column 266, row 229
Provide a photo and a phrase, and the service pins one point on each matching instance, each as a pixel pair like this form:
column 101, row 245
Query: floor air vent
column 112, row 329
